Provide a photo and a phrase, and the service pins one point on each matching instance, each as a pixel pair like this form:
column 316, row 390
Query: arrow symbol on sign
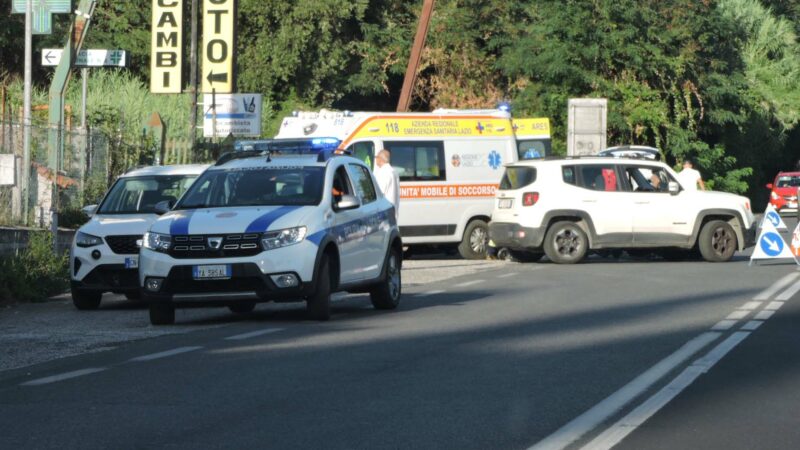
column 49, row 57
column 773, row 245
column 217, row 77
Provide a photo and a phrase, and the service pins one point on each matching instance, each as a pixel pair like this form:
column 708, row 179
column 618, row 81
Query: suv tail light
column 530, row 198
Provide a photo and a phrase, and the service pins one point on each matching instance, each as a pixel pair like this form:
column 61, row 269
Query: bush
column 35, row 274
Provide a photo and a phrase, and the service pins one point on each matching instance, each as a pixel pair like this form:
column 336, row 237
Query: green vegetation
column 36, row 274
column 714, row 80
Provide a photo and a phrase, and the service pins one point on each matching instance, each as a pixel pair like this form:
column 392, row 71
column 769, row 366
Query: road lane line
column 599, row 413
column 749, row 306
column 252, row 334
column 777, row 286
column 159, row 355
column 773, row 306
column 738, row 315
column 506, row 275
column 789, row 293
column 625, row 426
column 63, row 376
column 724, row 325
column 468, row 283
column 426, row 294
column 752, row 325
column 764, row 315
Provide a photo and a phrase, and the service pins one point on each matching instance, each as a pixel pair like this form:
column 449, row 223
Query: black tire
column 717, row 241
column 475, row 243
column 525, row 256
column 318, row 304
column 386, row 294
column 133, row 295
column 86, row 300
column 162, row 314
column 566, row 243
column 242, row 307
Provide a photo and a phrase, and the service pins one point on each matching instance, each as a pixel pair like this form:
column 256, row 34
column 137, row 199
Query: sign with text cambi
column 219, row 31
column 166, row 59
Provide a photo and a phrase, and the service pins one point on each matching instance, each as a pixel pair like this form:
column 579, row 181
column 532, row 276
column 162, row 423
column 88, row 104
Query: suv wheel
column 162, row 314
column 475, row 242
column 86, row 300
column 386, row 294
column 565, row 243
column 318, row 304
column 717, row 241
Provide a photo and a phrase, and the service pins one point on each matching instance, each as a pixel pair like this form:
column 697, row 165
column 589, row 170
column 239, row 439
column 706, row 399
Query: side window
column 363, row 151
column 568, row 174
column 647, row 179
column 341, row 184
column 418, row 161
column 362, row 181
column 598, row 177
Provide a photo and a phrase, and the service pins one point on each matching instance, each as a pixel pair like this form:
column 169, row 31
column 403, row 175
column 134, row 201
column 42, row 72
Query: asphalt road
column 640, row 353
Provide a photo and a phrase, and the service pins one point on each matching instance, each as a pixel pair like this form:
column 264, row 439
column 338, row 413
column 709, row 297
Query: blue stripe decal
column 317, row 237
column 180, row 223
column 262, row 223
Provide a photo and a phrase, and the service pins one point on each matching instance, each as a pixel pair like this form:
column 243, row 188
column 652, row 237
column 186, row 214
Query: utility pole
column 26, row 113
column 193, row 77
column 416, row 55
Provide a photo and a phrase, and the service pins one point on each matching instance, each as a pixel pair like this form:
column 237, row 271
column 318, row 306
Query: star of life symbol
column 494, row 160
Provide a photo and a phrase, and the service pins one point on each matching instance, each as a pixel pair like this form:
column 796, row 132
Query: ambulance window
column 535, row 148
column 418, row 161
column 362, row 180
column 363, row 151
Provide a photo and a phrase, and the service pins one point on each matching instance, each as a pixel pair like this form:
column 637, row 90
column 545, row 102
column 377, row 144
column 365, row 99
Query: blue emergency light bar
column 324, row 148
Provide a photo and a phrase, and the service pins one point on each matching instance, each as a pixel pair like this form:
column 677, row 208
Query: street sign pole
column 193, row 79
column 26, row 113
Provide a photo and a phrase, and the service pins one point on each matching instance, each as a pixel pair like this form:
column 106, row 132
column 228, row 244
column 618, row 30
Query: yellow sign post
column 219, row 29
column 166, row 59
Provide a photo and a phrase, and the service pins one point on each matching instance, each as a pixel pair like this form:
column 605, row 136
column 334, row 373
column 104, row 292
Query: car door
column 660, row 219
column 373, row 249
column 348, row 228
column 604, row 197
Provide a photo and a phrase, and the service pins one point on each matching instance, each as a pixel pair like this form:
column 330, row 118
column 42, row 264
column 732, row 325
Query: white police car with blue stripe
column 285, row 222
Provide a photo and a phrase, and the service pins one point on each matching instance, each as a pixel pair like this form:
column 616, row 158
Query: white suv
column 567, row 206
column 258, row 227
column 104, row 255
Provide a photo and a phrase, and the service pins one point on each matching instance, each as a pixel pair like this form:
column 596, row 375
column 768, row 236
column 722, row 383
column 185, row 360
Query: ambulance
column 449, row 162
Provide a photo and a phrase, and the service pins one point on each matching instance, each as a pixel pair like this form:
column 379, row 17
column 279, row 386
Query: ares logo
column 215, row 242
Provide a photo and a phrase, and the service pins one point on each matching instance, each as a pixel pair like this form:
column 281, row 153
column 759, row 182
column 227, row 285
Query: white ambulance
column 449, row 162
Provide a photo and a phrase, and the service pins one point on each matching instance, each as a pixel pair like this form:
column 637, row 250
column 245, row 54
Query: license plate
column 212, row 272
column 132, row 262
column 793, row 205
column 505, row 203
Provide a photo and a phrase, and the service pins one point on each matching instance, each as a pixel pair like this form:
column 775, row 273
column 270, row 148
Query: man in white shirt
column 388, row 180
column 690, row 178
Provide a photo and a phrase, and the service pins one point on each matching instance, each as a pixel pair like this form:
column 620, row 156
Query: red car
column 784, row 192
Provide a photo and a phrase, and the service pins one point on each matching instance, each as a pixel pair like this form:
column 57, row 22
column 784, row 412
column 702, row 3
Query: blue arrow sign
column 772, row 244
column 42, row 13
column 774, row 218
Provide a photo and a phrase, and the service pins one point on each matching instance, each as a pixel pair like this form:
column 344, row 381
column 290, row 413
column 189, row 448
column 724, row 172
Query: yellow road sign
column 219, row 31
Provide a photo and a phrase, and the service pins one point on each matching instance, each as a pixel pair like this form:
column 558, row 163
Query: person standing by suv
column 689, row 177
column 388, row 180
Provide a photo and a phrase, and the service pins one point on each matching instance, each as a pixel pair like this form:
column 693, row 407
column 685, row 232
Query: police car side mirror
column 89, row 210
column 674, row 188
column 163, row 207
column 348, row 202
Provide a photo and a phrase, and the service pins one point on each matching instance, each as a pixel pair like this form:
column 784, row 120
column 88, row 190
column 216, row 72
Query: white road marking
column 738, row 315
column 789, row 293
column 252, row 334
column 764, row 315
column 752, row 325
column 599, row 413
column 468, row 283
column 425, row 294
column 625, row 426
column 63, row 376
column 749, row 306
column 777, row 286
column 723, row 325
column 174, row 351
column 773, row 306
column 506, row 275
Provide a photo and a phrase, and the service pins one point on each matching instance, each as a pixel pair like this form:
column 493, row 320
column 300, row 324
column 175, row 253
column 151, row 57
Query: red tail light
column 530, row 198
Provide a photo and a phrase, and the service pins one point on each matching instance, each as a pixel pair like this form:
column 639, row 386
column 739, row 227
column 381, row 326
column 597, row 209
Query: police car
column 104, row 255
column 280, row 221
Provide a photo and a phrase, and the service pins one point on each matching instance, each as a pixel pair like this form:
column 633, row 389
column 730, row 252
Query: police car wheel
column 386, row 294
column 318, row 304
column 86, row 300
column 162, row 314
column 242, row 307
column 475, row 243
column 717, row 241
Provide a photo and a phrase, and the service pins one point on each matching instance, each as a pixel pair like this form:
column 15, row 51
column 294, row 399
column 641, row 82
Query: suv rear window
column 517, row 177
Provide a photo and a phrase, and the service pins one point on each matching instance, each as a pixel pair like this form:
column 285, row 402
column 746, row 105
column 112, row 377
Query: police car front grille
column 124, row 245
column 232, row 246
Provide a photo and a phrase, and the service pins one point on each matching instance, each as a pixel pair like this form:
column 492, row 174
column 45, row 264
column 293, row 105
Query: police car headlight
column 283, row 238
column 87, row 240
column 157, row 241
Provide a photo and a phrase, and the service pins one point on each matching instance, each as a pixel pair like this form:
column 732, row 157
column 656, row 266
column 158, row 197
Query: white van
column 449, row 163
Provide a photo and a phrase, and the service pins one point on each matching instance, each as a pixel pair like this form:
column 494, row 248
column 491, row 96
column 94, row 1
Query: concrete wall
column 13, row 240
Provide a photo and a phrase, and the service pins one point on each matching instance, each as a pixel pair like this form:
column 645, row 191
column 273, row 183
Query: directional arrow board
column 773, row 217
column 770, row 245
column 87, row 58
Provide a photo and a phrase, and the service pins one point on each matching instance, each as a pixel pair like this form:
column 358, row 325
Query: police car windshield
column 256, row 186
column 139, row 195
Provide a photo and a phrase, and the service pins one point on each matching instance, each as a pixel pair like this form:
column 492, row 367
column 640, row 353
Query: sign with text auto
column 166, row 58
column 219, row 29
column 236, row 114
